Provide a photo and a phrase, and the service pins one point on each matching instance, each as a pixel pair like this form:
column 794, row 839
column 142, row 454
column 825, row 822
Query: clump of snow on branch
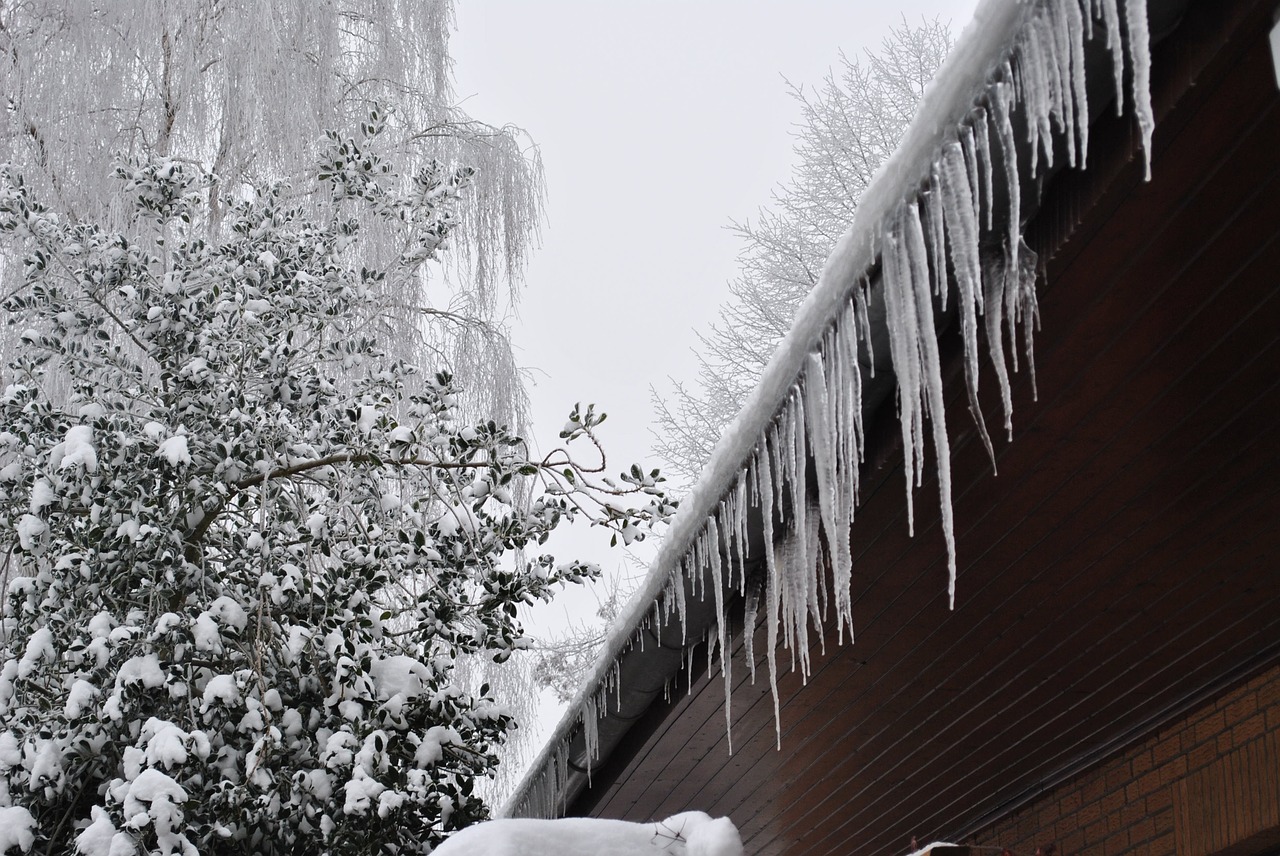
column 1011, row 99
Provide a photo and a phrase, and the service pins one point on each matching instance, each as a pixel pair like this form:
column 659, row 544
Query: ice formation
column 941, row 224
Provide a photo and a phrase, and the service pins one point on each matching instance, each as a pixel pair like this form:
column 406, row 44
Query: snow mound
column 691, row 833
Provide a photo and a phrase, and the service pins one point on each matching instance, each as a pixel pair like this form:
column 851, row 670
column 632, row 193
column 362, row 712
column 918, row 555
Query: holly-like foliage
column 243, row 548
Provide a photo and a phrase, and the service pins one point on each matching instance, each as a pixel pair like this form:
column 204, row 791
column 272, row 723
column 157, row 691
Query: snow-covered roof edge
column 1015, row 55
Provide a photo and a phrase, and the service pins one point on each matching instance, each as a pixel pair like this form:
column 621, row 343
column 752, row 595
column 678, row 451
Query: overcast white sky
column 658, row 121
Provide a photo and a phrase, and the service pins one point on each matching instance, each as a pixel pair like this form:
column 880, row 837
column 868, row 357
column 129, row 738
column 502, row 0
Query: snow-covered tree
column 240, row 558
column 245, row 90
column 849, row 126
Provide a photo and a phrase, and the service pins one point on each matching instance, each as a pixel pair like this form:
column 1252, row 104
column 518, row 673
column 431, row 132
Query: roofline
column 984, row 47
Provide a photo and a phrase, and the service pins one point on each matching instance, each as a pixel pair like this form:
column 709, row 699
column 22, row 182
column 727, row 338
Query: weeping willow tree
column 244, row 89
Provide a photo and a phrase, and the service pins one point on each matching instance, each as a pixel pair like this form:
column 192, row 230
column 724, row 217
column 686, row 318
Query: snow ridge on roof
column 951, row 191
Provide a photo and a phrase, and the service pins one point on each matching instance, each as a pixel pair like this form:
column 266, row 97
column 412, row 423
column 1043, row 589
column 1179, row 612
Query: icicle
column 1001, row 104
column 1027, row 310
column 801, row 573
column 722, row 623
column 844, row 406
column 794, row 607
column 937, row 235
column 982, row 132
column 1057, row 36
column 1111, row 20
column 822, row 441
column 860, row 302
column 1079, row 91
column 819, row 424
column 931, row 371
column 851, row 417
column 931, row 202
column 970, row 149
column 591, row 730
column 900, row 317
column 772, row 586
column 681, row 607
column 741, row 538
column 818, row 567
column 750, row 616
column 1037, row 94
column 913, row 340
column 997, row 273
column 962, row 237
column 1135, row 21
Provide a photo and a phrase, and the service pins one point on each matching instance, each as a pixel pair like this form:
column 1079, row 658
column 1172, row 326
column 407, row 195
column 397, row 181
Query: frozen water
column 930, row 214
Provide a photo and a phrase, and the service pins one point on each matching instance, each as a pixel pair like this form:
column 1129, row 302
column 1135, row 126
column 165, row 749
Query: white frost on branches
column 246, row 91
column 848, row 127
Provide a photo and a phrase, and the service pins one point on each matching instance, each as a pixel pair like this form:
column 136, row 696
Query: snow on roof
column 1009, row 101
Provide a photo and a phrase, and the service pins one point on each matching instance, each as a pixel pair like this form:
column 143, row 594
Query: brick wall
column 1206, row 784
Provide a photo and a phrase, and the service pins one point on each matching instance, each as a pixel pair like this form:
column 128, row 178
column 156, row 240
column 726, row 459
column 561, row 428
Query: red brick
column 1094, row 788
column 1269, row 693
column 1241, row 708
column 1133, row 812
column 1143, row 830
column 1161, row 846
column 1069, row 802
column 1142, row 763
column 1113, row 802
column 1089, row 813
column 1117, row 777
column 1250, row 729
column 1163, row 751
column 1201, row 756
column 1159, row 800
column 1116, row 844
column 1211, row 727
column 1072, row 843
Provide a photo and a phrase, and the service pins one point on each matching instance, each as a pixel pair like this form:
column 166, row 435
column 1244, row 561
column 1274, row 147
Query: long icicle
column 962, row 238
column 1135, row 19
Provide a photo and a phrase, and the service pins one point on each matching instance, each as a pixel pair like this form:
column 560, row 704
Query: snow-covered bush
column 242, row 548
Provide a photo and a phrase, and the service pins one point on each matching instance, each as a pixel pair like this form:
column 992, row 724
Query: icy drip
column 913, row 343
column 1110, row 14
column 982, row 131
column 761, row 469
column 1135, row 20
column 718, row 585
column 941, row 208
column 959, row 183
